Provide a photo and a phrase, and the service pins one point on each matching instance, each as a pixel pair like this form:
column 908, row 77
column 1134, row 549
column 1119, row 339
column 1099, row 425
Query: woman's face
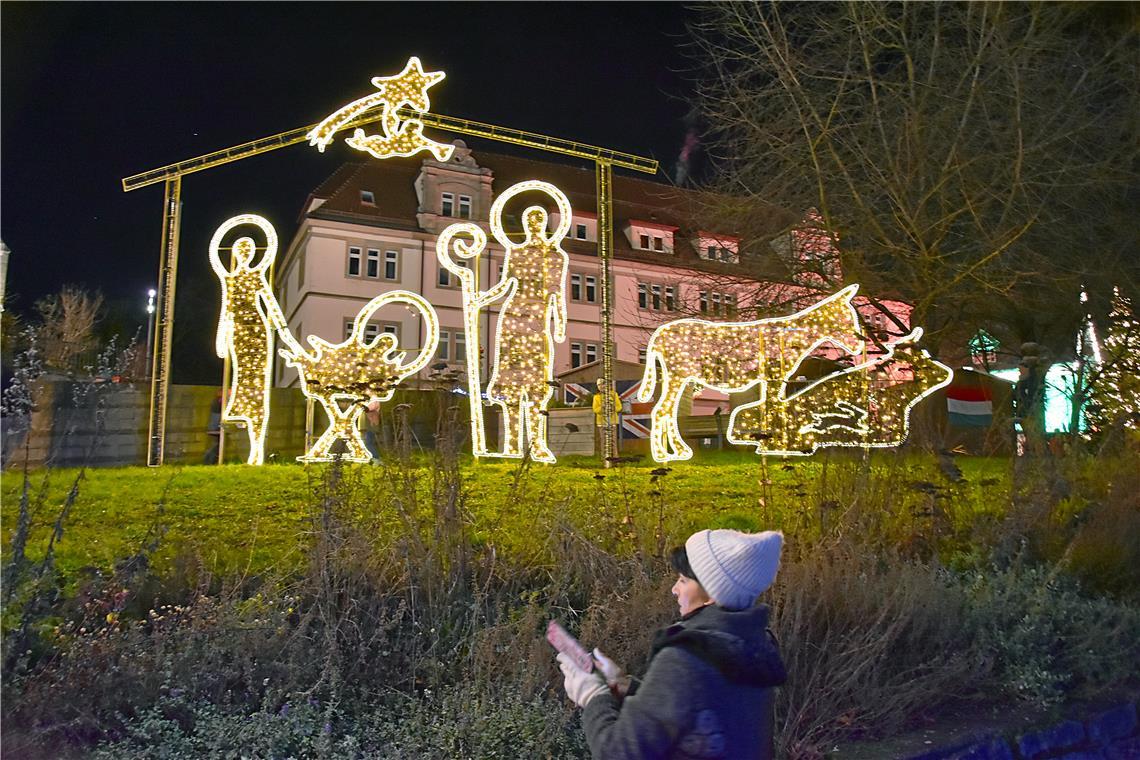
column 689, row 595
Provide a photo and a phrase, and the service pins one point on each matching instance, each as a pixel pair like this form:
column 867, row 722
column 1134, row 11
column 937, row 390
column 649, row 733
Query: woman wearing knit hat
column 710, row 686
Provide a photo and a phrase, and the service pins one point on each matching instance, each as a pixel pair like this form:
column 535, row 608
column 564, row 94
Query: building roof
column 392, row 182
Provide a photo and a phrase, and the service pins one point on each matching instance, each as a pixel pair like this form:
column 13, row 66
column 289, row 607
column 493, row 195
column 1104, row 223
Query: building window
column 642, row 296
column 575, row 287
column 658, row 243
column 441, row 352
column 301, row 270
column 391, row 265
column 718, row 304
column 591, row 353
column 719, row 252
column 353, row 261
column 644, row 242
column 371, row 330
column 367, row 198
column 460, row 347
column 575, row 355
column 655, row 300
column 670, row 300
column 642, row 354
column 373, row 269
column 591, row 289
column 465, row 207
column 580, row 231
column 393, row 330
column 447, row 206
column 446, row 279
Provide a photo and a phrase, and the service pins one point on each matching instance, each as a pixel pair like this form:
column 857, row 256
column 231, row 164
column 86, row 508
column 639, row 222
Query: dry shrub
column 868, row 641
column 1104, row 552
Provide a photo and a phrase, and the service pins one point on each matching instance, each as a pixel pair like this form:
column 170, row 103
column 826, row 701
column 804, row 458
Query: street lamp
column 150, row 294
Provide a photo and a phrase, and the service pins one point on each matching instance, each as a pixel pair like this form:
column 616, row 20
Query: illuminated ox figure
column 737, row 356
column 345, row 376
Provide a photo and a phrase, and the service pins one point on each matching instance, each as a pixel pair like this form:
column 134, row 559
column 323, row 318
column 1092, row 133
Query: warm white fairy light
column 400, row 137
column 249, row 317
column 531, row 319
column 736, row 356
column 344, row 377
column 865, row 406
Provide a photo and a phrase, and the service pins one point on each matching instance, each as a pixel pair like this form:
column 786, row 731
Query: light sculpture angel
column 401, row 137
column 531, row 319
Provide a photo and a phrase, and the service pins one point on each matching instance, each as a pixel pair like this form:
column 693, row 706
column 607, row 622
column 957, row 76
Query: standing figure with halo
column 249, row 317
column 532, row 319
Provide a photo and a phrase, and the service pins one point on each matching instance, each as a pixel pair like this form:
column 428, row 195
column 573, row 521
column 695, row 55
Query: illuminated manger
column 344, row 377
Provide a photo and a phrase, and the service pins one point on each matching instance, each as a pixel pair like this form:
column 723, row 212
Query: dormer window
column 447, row 204
column 465, row 207
column 650, row 236
column 367, row 197
column 712, row 247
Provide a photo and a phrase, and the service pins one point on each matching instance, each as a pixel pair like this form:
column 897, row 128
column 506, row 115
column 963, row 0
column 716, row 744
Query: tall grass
column 409, row 630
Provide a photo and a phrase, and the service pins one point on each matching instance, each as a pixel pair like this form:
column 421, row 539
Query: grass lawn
column 256, row 519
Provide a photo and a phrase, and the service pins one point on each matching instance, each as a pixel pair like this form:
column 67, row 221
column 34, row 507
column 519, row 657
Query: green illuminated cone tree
column 1116, row 391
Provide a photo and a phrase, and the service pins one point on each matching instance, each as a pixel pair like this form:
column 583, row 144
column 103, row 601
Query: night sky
column 94, row 92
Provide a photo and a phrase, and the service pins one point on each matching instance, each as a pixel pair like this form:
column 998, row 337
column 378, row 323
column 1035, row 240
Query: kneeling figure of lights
column 344, row 377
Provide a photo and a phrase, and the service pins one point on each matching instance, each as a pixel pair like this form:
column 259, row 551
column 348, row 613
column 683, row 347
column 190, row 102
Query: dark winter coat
column 708, row 693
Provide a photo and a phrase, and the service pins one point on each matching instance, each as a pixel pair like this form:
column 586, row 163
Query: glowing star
column 736, row 356
column 867, row 405
column 531, row 319
column 400, row 138
column 249, row 316
column 344, row 377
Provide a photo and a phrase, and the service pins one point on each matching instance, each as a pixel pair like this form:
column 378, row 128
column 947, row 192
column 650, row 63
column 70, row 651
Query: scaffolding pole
column 604, row 172
column 164, row 326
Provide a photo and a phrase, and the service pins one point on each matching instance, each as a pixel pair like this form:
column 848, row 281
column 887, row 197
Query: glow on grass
column 344, row 377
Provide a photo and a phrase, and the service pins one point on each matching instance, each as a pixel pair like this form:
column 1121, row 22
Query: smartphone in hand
column 568, row 645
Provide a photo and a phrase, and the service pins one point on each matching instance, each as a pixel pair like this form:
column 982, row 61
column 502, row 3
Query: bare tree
column 67, row 331
column 977, row 159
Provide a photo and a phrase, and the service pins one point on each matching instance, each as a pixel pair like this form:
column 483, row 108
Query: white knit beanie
column 733, row 567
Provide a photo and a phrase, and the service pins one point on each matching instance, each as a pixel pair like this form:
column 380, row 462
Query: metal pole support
column 164, row 327
column 604, row 173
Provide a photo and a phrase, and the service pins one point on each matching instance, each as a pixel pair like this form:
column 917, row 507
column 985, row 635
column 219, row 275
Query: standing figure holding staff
column 531, row 319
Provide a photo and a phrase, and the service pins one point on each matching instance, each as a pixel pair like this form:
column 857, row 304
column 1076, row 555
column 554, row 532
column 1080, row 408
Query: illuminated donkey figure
column 736, row 356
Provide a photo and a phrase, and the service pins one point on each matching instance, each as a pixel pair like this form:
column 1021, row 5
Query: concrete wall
column 64, row 428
